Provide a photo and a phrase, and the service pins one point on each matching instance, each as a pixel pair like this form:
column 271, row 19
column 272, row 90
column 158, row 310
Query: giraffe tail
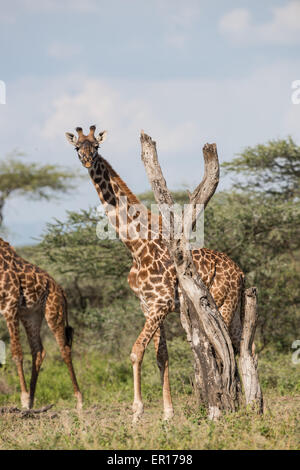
column 69, row 331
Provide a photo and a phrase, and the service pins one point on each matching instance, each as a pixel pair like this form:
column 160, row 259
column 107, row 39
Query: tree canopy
column 272, row 168
column 31, row 180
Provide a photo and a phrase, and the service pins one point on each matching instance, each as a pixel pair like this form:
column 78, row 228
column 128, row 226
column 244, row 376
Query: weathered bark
column 248, row 358
column 199, row 385
column 215, row 366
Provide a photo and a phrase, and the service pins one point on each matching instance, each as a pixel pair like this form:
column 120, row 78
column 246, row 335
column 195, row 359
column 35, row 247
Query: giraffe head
column 86, row 145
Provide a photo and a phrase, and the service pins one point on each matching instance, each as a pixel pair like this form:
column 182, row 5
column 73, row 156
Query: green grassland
column 105, row 422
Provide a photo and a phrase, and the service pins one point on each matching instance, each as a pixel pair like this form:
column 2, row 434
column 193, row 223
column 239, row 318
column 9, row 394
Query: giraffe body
column 153, row 276
column 29, row 294
column 153, row 279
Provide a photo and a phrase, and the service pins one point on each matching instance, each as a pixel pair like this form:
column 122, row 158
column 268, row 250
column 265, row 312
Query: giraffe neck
column 120, row 204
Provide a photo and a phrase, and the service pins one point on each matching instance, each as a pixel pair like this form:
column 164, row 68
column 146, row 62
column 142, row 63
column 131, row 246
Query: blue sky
column 186, row 72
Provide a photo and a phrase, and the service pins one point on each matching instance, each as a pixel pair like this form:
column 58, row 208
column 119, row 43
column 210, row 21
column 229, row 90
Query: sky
column 186, row 72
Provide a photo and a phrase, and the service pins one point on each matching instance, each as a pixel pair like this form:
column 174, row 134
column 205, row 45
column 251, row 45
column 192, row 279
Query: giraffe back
column 25, row 282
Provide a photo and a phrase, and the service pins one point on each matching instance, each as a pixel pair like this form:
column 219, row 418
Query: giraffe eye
column 76, row 148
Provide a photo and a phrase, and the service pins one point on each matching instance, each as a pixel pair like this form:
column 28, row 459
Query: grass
column 105, row 422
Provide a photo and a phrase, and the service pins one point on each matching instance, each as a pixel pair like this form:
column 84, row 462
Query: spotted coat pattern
column 28, row 294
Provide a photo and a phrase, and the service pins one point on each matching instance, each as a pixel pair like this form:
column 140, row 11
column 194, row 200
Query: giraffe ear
column 101, row 137
column 71, row 138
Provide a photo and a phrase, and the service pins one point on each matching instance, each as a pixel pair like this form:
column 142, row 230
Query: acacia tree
column 272, row 168
column 31, row 180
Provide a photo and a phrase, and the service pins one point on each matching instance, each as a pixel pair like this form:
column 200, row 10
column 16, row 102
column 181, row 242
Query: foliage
column 264, row 239
column 31, row 180
column 264, row 234
column 179, row 197
column 93, row 272
column 74, row 248
column 272, row 168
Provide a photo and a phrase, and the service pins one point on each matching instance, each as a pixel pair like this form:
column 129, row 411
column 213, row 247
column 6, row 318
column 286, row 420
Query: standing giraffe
column 153, row 276
column 29, row 294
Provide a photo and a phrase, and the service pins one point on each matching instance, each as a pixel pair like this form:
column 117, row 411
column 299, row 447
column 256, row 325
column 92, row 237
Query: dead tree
column 248, row 359
column 217, row 378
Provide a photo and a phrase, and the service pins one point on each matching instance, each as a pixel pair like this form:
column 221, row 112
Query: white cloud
column 181, row 114
column 123, row 109
column 283, row 27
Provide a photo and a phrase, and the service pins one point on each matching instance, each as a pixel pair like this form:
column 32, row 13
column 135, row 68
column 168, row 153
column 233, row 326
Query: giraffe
column 29, row 294
column 152, row 276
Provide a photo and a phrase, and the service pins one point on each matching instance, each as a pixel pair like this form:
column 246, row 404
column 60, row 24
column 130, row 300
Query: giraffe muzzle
column 86, row 162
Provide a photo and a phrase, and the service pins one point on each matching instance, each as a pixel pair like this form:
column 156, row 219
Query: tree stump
column 248, row 358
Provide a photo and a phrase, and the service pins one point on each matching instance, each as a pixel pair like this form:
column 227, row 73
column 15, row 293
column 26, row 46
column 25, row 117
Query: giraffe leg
column 137, row 355
column 234, row 326
column 56, row 321
column 162, row 357
column 12, row 320
column 32, row 325
column 231, row 314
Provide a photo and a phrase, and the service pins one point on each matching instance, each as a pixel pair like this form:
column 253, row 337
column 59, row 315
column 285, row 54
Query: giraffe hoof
column 168, row 414
column 25, row 401
column 138, row 410
column 79, row 401
column 136, row 418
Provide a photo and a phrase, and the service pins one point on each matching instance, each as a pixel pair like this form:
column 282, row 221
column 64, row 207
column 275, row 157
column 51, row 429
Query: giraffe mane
column 121, row 183
column 3, row 243
column 132, row 198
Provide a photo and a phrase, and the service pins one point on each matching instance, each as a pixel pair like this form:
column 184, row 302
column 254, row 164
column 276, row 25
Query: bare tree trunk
column 248, row 358
column 215, row 366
